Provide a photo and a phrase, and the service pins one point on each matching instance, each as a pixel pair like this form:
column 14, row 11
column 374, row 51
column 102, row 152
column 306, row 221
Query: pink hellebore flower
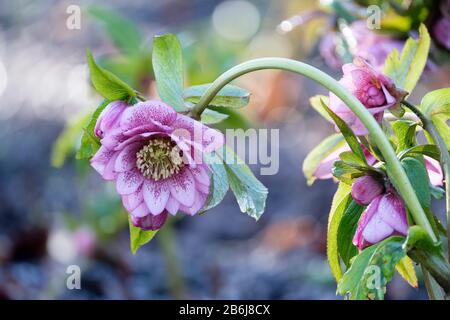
column 365, row 189
column 376, row 92
column 384, row 217
column 155, row 157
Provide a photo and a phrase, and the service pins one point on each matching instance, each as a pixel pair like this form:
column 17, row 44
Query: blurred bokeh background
column 55, row 211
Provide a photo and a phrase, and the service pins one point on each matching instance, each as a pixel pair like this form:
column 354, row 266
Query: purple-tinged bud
column 365, row 189
column 149, row 222
column 109, row 117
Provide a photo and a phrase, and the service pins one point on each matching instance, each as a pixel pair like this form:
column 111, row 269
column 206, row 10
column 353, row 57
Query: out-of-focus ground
column 223, row 254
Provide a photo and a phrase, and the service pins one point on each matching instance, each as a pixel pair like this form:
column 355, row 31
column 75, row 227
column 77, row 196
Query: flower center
column 159, row 159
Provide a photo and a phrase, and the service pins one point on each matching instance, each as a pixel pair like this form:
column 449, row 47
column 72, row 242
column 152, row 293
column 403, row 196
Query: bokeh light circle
column 236, row 20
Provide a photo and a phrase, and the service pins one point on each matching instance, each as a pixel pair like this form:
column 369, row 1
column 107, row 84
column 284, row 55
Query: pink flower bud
column 365, row 189
column 149, row 222
column 384, row 217
column 109, row 117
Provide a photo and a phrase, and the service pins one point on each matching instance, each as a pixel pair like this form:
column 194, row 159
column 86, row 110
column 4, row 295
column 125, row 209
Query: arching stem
column 445, row 158
column 394, row 168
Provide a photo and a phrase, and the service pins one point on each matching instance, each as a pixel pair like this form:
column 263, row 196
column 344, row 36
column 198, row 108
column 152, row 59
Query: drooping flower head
column 155, row 157
column 385, row 215
column 376, row 92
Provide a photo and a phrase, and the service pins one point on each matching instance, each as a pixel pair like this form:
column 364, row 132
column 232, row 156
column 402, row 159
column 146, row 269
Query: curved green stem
column 394, row 169
column 445, row 158
column 167, row 245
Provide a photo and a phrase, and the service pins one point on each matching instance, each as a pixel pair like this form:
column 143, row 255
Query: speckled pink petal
column 202, row 188
column 172, row 206
column 109, row 173
column 142, row 137
column 126, row 158
column 133, row 200
column 156, row 194
column 199, row 202
column 101, row 158
column 129, row 181
column 182, row 187
column 112, row 138
column 148, row 112
column 140, row 211
column 201, row 175
column 201, row 136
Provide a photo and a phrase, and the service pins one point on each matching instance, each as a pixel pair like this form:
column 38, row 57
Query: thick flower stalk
column 376, row 92
column 155, row 157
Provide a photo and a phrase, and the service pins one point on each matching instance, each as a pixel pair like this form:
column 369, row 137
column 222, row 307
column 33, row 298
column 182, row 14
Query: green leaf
column 418, row 238
column 435, row 105
column 418, row 176
column 67, row 140
column 219, row 186
column 437, row 192
column 372, row 269
column 107, row 84
column 346, row 231
column 405, row 267
column 352, row 159
column 212, row 117
column 348, row 134
column 89, row 141
column 250, row 193
column 139, row 237
column 405, row 132
column 319, row 153
column 346, row 172
column 228, row 97
column 430, row 150
column 341, row 200
column 316, row 103
column 123, row 32
column 406, row 69
column 167, row 60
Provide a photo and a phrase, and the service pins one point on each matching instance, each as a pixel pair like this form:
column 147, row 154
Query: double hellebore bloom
column 385, row 215
column 376, row 92
column 155, row 157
